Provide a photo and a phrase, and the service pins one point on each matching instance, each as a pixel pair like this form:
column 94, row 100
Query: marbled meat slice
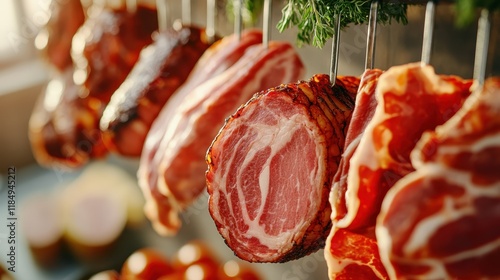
column 271, row 166
column 161, row 69
column 353, row 255
column 198, row 118
column 411, row 100
column 217, row 58
column 443, row 220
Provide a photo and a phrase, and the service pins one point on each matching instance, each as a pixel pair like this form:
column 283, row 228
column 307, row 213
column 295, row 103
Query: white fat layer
column 476, row 147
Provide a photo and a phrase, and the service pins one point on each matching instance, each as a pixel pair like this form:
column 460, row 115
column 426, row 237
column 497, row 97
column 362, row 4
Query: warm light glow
column 188, row 254
column 231, row 268
column 195, row 272
column 53, row 94
column 137, row 262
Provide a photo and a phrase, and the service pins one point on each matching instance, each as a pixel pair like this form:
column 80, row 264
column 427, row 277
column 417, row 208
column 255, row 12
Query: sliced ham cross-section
column 443, row 220
column 271, row 167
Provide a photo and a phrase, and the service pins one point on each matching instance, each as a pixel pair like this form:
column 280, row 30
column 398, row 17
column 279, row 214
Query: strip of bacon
column 271, row 167
column 411, row 100
column 215, row 61
column 162, row 68
column 443, row 220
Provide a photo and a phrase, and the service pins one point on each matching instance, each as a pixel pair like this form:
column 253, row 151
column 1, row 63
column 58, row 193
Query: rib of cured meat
column 352, row 255
column 271, row 166
column 216, row 59
column 66, row 133
column 198, row 118
column 443, row 220
column 162, row 67
column 411, row 100
column 63, row 130
column 65, row 19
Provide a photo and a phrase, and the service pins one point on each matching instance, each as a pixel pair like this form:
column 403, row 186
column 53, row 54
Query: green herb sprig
column 315, row 18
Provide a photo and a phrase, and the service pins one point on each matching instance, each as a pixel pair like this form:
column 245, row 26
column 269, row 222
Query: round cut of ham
column 271, row 168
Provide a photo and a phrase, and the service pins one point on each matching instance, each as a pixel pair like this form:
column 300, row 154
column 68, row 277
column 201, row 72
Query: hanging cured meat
column 64, row 126
column 216, row 59
column 197, row 119
column 271, row 167
column 55, row 37
column 352, row 255
column 162, row 67
column 411, row 99
column 106, row 48
column 443, row 220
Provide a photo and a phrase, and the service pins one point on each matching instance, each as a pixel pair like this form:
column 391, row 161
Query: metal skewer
column 482, row 45
column 267, row 23
column 428, row 32
column 371, row 36
column 210, row 30
column 334, row 66
column 162, row 10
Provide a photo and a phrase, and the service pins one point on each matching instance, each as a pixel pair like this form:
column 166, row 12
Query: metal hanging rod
column 430, row 12
column 131, row 6
column 210, row 30
column 267, row 22
column 334, row 66
column 186, row 12
column 371, row 35
column 482, row 45
column 162, row 10
column 238, row 17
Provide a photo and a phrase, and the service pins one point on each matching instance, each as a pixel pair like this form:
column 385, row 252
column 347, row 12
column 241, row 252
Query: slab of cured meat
column 162, row 67
column 63, row 130
column 271, row 168
column 197, row 119
column 216, row 59
column 392, row 111
column 64, row 126
column 354, row 255
column 411, row 99
column 443, row 220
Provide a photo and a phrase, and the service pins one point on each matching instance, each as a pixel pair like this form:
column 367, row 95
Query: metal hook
column 428, row 32
column 482, row 45
column 267, row 23
column 210, row 30
column 371, row 36
column 335, row 51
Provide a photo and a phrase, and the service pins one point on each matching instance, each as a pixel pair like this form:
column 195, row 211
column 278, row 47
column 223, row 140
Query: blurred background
column 24, row 74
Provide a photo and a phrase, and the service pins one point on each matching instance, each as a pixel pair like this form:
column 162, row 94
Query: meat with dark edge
column 162, row 67
column 216, row 59
column 443, row 220
column 271, row 166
